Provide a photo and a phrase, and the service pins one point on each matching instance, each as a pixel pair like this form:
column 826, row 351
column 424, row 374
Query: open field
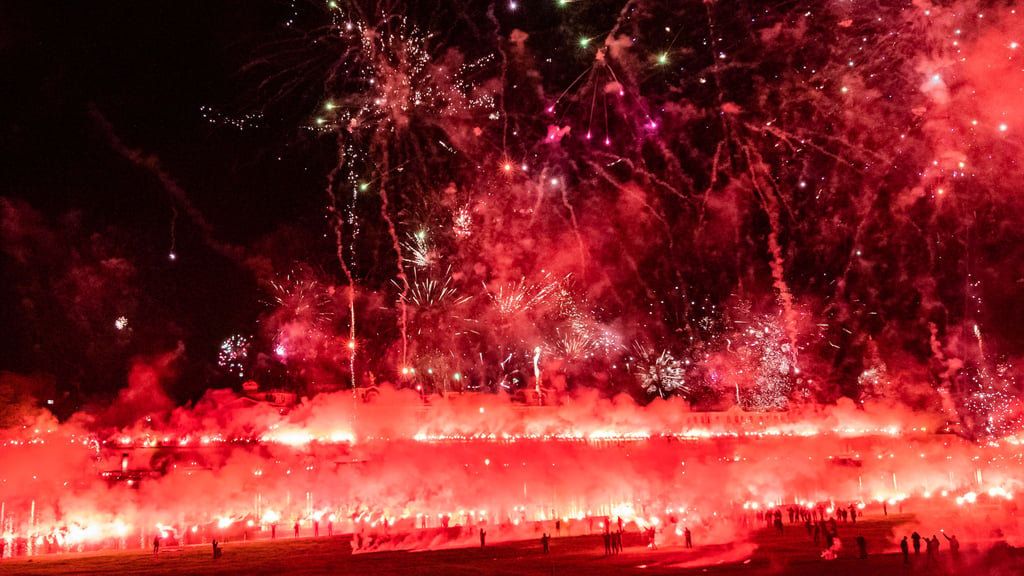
column 791, row 553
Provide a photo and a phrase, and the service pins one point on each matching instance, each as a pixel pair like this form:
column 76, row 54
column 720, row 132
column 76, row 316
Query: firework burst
column 234, row 352
column 301, row 299
column 390, row 74
column 991, row 407
column 660, row 373
column 572, row 345
column 433, row 293
column 418, row 250
column 518, row 297
column 767, row 356
column 462, row 223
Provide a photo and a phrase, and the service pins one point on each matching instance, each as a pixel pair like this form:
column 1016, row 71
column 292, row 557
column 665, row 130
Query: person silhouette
column 954, row 545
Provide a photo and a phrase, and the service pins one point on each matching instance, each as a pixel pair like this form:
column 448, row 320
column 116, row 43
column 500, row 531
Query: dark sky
column 148, row 70
column 74, row 72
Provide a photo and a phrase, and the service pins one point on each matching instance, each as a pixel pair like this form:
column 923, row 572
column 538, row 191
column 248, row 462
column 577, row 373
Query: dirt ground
column 769, row 553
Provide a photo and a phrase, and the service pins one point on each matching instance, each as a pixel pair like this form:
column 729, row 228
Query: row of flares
column 84, row 534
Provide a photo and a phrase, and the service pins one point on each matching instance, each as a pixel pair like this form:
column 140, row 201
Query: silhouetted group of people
column 818, row 513
column 822, row 531
column 931, row 547
column 612, row 542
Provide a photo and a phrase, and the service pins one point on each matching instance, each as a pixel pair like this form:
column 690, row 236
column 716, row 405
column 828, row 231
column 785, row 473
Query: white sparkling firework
column 767, row 354
column 462, row 223
column 572, row 345
column 517, row 297
column 433, row 293
column 581, row 336
column 418, row 250
column 991, row 406
column 401, row 78
column 233, row 354
column 873, row 382
column 662, row 374
column 240, row 123
column 121, row 323
column 302, row 299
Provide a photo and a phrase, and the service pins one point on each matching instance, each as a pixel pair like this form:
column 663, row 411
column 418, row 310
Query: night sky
column 804, row 202
column 72, row 201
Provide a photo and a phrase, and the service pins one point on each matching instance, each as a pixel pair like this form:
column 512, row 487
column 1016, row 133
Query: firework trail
column 338, row 225
column 770, row 202
column 152, row 165
column 945, row 377
column 575, row 230
column 403, row 312
column 174, row 220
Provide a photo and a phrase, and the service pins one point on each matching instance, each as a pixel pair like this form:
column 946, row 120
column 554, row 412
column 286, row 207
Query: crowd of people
column 822, row 524
column 931, row 547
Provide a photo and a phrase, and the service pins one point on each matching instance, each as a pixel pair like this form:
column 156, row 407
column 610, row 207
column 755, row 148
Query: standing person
column 544, row 542
column 296, row 528
column 607, row 543
column 273, row 531
column 885, row 509
column 558, row 527
column 862, row 547
column 156, row 545
column 906, row 550
column 483, row 535
column 917, row 543
column 330, row 527
column 216, row 550
column 853, row 513
column 954, row 546
column 932, row 549
column 316, row 528
column 689, row 540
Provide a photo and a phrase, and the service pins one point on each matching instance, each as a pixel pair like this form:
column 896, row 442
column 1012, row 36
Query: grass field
column 791, row 553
